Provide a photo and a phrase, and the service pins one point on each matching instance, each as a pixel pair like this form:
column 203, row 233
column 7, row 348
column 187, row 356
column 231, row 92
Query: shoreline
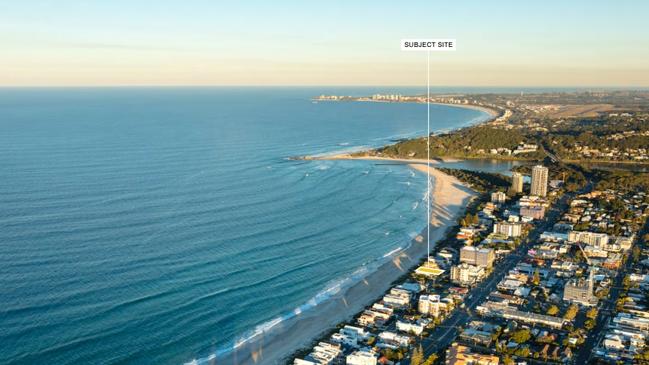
column 406, row 161
column 491, row 112
column 450, row 198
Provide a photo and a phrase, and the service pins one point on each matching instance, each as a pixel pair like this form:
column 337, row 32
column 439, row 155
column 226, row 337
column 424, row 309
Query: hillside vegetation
column 465, row 143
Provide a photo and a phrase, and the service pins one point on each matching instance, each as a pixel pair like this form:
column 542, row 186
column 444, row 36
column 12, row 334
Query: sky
column 199, row 42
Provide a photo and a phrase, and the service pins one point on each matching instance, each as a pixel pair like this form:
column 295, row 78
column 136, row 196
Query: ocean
column 160, row 225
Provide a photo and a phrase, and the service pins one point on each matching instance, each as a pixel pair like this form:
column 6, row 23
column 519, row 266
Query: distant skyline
column 200, row 42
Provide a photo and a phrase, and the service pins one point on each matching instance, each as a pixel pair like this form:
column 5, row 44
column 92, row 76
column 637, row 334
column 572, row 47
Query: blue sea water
column 154, row 226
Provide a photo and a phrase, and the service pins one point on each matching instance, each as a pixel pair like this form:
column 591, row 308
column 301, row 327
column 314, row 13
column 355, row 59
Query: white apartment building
column 483, row 257
column 539, row 181
column 322, row 354
column 392, row 339
column 508, row 229
column 431, row 305
column 408, row 327
column 589, row 238
column 465, row 274
column 517, row 182
column 498, row 197
column 362, row 357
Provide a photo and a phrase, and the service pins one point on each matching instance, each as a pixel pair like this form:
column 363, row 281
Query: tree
column 626, row 283
column 553, row 310
column 592, row 313
column 643, row 357
column 579, row 257
column 417, row 356
column 522, row 352
column 430, row 360
column 602, row 293
column 589, row 324
column 521, row 336
column 507, row 360
column 636, row 253
column 388, row 353
column 536, row 279
column 393, row 355
column 571, row 312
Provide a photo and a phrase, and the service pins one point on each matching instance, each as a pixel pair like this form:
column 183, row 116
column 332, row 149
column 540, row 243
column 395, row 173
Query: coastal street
column 444, row 334
column 546, row 238
column 339, row 183
column 606, row 311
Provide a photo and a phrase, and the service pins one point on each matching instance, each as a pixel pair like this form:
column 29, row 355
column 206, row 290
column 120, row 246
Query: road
column 606, row 311
column 444, row 334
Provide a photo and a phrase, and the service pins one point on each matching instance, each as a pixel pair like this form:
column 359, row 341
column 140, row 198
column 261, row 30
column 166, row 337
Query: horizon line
column 625, row 87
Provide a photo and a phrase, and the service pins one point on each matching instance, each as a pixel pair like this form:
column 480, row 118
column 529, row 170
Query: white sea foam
column 393, row 252
column 330, row 291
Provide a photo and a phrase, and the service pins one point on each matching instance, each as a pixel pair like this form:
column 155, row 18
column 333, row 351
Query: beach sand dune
column 450, row 198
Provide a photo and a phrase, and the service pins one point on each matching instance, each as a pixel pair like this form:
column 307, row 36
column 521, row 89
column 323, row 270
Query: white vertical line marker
column 428, row 151
column 428, row 45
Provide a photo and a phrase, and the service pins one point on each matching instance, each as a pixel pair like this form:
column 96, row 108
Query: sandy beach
column 449, row 199
column 492, row 112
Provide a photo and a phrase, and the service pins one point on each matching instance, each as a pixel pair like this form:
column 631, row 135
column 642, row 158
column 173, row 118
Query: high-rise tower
column 539, row 181
column 517, row 183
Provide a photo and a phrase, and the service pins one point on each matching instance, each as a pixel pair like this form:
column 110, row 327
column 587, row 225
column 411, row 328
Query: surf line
column 428, row 45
